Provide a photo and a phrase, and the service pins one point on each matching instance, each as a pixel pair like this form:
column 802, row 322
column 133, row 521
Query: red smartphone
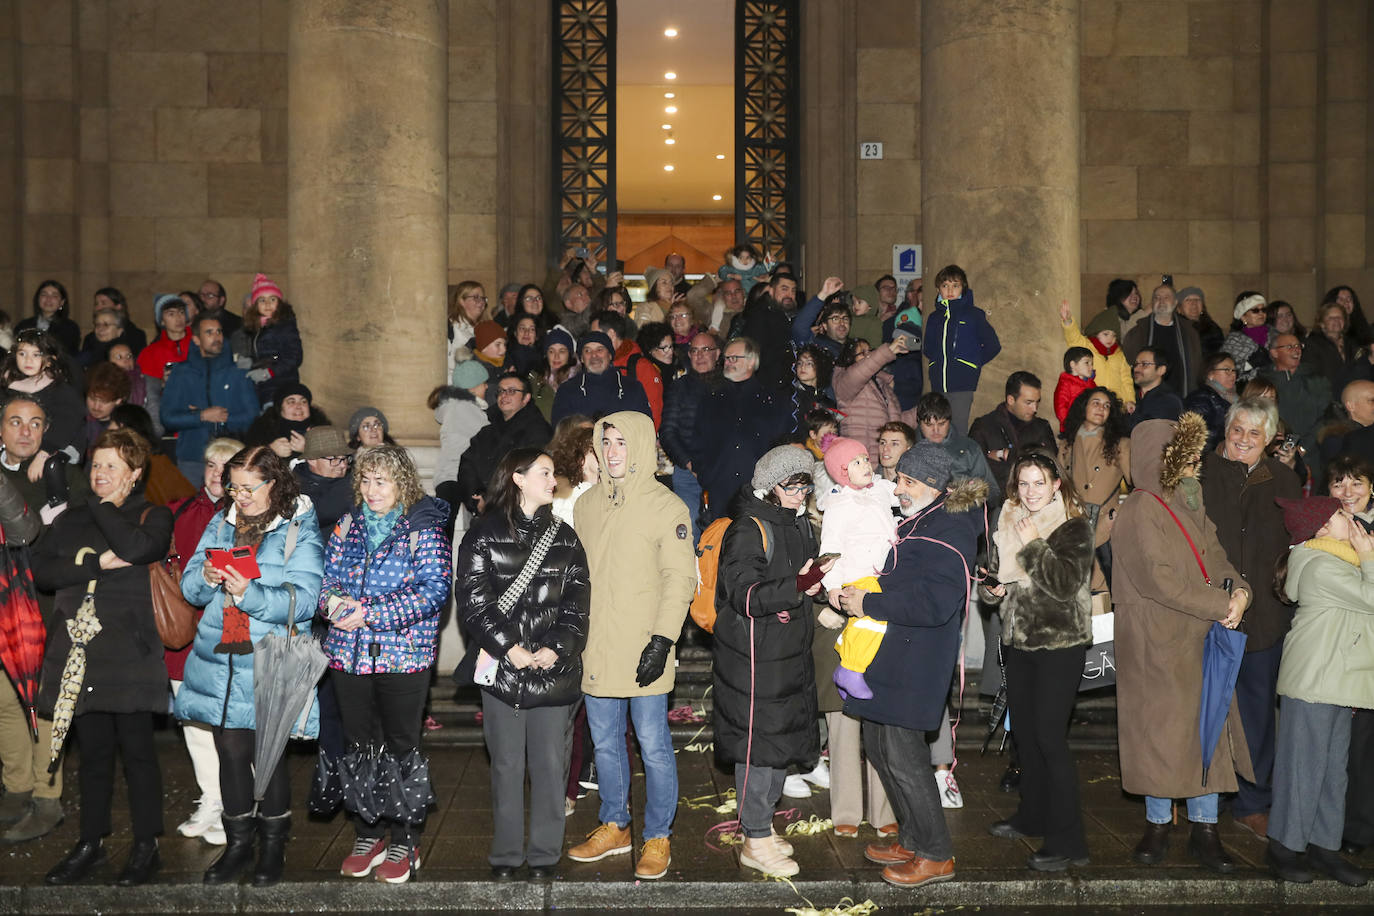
column 243, row 560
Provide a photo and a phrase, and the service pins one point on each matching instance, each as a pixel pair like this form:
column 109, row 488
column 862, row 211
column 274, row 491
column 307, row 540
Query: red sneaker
column 401, row 862
column 367, row 854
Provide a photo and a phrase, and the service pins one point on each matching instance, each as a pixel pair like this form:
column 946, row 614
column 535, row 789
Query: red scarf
column 1105, row 351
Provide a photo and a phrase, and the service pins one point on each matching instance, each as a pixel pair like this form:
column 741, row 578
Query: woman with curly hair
column 268, row 344
column 385, row 582
column 1096, row 454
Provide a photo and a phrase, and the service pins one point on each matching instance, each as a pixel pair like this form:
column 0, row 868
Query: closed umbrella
column 285, row 671
column 82, row 628
column 22, row 634
column 1222, row 652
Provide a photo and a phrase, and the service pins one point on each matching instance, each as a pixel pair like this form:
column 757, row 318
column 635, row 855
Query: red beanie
column 486, row 333
column 264, row 287
column 837, row 457
column 1305, row 517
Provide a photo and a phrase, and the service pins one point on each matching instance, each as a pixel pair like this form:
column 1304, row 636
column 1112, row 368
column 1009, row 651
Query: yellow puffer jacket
column 1113, row 372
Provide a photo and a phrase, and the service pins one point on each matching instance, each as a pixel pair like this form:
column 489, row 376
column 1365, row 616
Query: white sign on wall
column 906, row 264
column 870, row 149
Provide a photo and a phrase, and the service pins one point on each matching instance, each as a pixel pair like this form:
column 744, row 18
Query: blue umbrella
column 1222, row 652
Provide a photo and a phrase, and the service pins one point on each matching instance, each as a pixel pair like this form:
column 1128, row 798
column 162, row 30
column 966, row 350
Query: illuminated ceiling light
column 667, row 127
column 670, row 32
column 667, row 168
column 670, row 75
column 671, row 109
column 670, row 95
column 670, row 141
column 715, row 197
column 720, row 155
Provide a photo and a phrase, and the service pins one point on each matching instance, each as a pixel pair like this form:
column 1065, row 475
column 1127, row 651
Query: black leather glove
column 55, row 479
column 653, row 660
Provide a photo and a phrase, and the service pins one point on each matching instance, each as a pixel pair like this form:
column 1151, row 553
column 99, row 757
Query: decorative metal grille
column 584, row 106
column 765, row 125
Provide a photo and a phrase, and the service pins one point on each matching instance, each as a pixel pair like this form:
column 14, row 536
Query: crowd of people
column 770, row 458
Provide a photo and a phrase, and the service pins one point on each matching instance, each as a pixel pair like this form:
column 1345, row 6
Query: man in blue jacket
column 925, row 590
column 959, row 342
column 206, row 396
column 600, row 388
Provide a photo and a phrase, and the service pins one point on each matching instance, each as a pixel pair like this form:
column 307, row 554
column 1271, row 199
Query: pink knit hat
column 264, row 287
column 839, row 454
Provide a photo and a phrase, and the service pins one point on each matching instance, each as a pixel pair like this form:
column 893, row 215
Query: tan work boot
column 45, row 814
column 606, row 840
column 654, row 859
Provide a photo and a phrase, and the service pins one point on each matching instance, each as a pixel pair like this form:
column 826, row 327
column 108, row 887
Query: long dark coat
column 1164, row 609
column 755, row 641
column 124, row 667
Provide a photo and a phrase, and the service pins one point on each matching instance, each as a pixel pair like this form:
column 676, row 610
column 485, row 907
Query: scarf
column 1230, row 396
column 1259, row 334
column 235, row 637
column 1338, row 549
column 378, row 527
column 1009, row 542
column 1105, row 351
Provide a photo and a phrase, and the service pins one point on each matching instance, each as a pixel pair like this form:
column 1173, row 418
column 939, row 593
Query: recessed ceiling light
column 670, row 75
column 670, row 95
column 667, row 168
column 667, row 127
column 720, row 155
column 670, row 141
column 715, row 197
column 671, row 109
column 670, row 32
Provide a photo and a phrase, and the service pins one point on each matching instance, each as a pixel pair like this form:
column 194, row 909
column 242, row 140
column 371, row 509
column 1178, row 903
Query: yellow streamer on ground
column 846, row 907
column 810, row 827
column 705, row 802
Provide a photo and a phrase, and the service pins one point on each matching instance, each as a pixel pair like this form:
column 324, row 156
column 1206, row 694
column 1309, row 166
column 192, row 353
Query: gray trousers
column 521, row 742
column 1309, row 775
column 758, row 799
column 960, row 406
column 902, row 759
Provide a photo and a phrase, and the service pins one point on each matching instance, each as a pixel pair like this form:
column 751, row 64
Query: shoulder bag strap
column 1197, row 556
column 518, row 585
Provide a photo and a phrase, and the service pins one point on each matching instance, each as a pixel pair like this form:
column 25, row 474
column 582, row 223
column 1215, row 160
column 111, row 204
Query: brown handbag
column 175, row 617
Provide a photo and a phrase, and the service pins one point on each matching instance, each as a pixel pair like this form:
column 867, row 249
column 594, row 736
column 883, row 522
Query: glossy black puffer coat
column 551, row 613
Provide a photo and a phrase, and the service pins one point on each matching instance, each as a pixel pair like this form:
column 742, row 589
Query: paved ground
column 991, row 875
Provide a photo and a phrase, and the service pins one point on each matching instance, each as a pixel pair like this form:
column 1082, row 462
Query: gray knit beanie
column 927, row 462
column 779, row 464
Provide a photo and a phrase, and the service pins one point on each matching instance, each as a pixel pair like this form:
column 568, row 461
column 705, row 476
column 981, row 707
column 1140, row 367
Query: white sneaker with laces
column 820, row 776
column 950, row 796
column 795, row 786
column 206, row 817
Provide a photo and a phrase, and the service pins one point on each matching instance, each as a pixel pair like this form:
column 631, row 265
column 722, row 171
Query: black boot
column 143, row 862
column 1330, row 863
column 1153, row 846
column 238, row 850
column 272, row 834
column 77, row 864
column 1286, row 864
column 1205, row 846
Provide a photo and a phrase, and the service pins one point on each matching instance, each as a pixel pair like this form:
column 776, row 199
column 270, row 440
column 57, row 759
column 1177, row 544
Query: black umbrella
column 357, row 773
column 326, row 791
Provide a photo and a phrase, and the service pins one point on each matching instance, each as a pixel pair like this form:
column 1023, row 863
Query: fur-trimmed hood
column 1161, row 450
column 967, row 494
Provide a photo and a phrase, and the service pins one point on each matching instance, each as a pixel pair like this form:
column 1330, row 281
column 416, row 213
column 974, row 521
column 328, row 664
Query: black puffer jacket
column 1212, row 406
column 552, row 612
column 526, row 426
column 784, row 676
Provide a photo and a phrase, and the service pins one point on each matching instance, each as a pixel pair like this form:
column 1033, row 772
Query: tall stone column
column 367, row 226
column 999, row 170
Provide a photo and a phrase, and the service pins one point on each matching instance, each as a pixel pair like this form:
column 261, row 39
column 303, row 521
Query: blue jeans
column 193, row 470
column 688, row 489
column 606, row 722
column 1202, row 809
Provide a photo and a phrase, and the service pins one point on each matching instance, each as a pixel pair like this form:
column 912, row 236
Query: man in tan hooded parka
column 638, row 539
column 1164, row 608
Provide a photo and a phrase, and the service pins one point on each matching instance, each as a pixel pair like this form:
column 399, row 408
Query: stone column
column 367, row 230
column 999, row 171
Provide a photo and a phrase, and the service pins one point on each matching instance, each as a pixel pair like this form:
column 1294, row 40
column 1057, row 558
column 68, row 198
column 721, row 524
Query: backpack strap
column 767, row 541
column 293, row 531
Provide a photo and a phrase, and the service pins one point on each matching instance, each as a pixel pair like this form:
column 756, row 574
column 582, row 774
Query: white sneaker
column 820, row 776
column 215, row 835
column 950, row 796
column 206, row 816
column 795, row 786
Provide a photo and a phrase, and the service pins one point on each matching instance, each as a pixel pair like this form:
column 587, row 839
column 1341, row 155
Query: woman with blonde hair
column 465, row 310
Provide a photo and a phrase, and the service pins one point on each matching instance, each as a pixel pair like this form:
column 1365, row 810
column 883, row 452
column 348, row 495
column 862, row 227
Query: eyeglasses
column 698, row 350
column 1141, row 363
column 337, row 459
column 371, row 425
column 799, row 488
column 736, row 357
column 478, row 297
column 1292, row 346
column 234, row 490
column 1223, row 369
column 661, row 347
column 509, row 390
column 534, row 298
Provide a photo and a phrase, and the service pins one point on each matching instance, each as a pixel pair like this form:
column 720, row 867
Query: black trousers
column 97, row 735
column 382, row 710
column 1359, row 792
column 235, row 747
column 902, row 759
column 1257, row 699
column 1041, row 688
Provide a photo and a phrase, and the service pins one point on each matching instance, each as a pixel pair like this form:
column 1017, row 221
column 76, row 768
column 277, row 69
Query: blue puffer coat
column 217, row 689
column 402, row 591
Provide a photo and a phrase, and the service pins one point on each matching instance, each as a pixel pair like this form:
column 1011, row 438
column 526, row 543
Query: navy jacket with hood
column 959, row 342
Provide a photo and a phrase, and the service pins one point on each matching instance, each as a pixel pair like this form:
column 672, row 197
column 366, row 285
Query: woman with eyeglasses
column 108, row 330
column 266, row 512
column 764, row 678
column 531, row 302
column 1215, row 395
column 683, row 322
column 368, row 428
column 655, row 341
column 464, row 312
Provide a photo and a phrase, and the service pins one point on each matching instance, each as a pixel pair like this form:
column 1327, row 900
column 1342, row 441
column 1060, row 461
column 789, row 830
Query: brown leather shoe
column 1257, row 823
column 918, row 872
column 887, row 830
column 606, row 840
column 887, row 853
column 848, row 830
